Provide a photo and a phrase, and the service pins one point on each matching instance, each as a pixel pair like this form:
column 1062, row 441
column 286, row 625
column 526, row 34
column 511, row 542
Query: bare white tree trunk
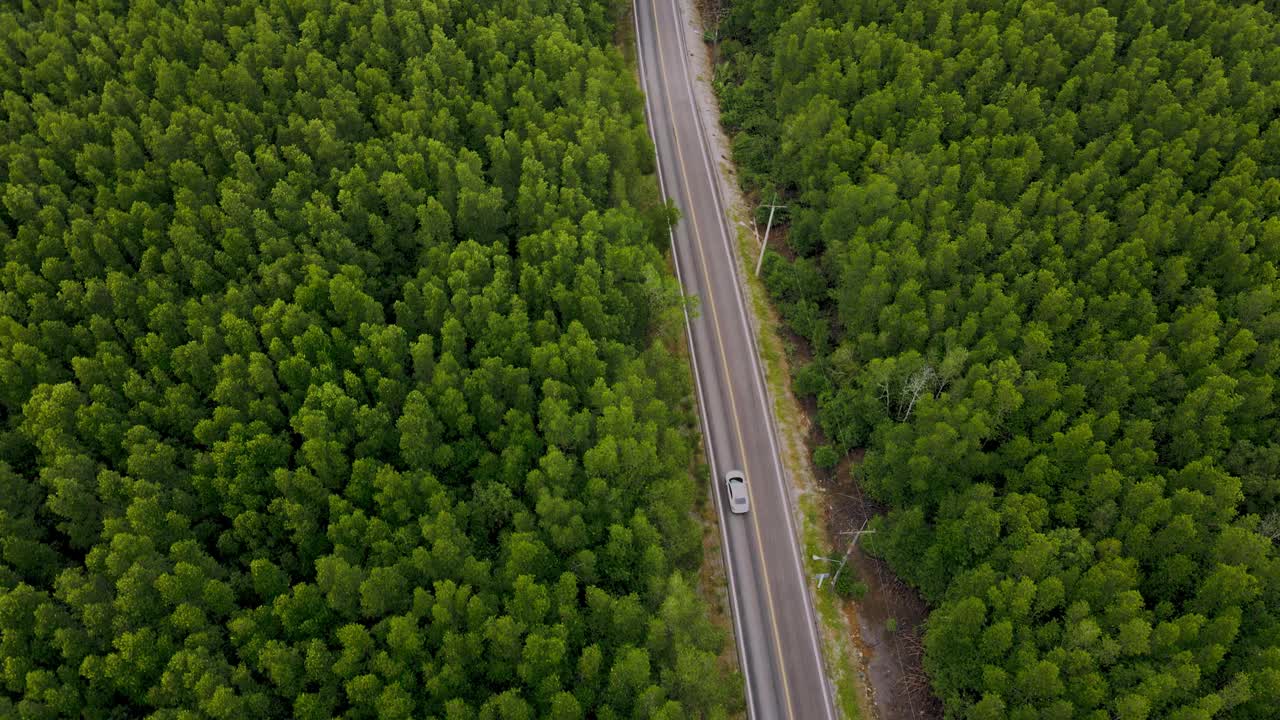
column 915, row 385
column 1270, row 526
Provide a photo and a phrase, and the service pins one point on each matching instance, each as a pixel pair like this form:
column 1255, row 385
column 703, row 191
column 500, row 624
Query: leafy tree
column 335, row 368
column 1035, row 268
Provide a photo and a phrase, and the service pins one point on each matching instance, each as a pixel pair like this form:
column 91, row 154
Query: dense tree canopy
column 1034, row 249
column 332, row 368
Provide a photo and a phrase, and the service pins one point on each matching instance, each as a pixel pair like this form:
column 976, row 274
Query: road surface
column 772, row 614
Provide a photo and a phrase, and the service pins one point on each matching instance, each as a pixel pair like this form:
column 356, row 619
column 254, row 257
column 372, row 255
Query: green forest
column 1032, row 248
column 337, row 369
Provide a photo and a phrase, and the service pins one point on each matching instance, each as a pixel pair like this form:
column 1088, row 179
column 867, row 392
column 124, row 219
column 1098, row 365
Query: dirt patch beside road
column 889, row 618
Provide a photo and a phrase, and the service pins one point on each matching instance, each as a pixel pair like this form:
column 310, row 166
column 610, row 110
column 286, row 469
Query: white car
column 735, row 484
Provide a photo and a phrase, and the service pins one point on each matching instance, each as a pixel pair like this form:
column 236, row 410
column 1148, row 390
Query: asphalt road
column 773, row 618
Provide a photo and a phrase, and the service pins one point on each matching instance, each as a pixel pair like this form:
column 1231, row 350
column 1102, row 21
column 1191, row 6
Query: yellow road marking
column 715, row 322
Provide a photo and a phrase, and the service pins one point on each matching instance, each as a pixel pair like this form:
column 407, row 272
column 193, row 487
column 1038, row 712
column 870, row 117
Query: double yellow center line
column 728, row 379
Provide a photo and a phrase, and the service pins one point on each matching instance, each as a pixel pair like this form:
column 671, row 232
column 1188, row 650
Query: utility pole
column 856, row 534
column 764, row 245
